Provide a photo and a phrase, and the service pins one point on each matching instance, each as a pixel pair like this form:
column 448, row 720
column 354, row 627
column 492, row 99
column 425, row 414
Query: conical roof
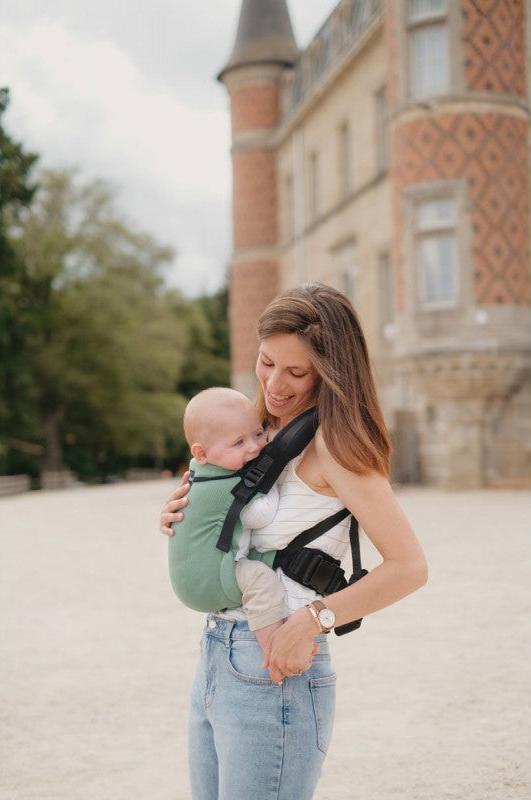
column 264, row 35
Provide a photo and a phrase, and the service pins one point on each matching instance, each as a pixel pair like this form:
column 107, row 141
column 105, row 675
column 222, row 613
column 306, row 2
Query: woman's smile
column 286, row 374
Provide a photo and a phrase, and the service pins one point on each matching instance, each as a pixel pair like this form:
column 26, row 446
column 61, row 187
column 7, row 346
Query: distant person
column 263, row 733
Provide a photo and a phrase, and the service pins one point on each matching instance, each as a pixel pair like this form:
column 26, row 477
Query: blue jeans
column 249, row 738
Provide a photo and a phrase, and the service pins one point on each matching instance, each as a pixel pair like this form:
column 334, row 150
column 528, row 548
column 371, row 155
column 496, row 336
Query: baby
column 224, row 432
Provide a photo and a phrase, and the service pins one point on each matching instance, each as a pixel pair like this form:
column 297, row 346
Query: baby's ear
column 199, row 453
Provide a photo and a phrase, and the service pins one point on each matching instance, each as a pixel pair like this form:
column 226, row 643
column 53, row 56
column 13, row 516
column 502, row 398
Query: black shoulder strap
column 307, row 536
column 260, row 474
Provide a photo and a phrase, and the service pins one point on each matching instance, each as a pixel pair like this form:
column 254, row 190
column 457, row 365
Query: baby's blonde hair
column 201, row 415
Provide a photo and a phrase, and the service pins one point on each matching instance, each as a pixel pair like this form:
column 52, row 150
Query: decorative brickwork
column 253, row 286
column 254, row 107
column 254, row 203
column 490, row 151
column 494, row 46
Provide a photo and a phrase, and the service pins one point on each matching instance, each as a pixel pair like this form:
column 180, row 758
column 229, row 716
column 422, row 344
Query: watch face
column 327, row 618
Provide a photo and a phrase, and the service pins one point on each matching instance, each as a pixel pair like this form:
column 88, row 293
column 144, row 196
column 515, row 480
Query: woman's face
column 287, row 376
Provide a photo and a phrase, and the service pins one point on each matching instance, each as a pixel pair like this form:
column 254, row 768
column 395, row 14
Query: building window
column 346, row 269
column 429, row 63
column 289, row 208
column 436, row 252
column 387, row 305
column 381, row 130
column 344, row 160
column 314, row 186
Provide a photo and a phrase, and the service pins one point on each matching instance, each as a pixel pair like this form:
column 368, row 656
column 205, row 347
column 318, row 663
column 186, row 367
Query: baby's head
column 223, row 428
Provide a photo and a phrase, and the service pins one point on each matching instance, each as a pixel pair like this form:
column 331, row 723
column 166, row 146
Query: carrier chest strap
column 207, row 478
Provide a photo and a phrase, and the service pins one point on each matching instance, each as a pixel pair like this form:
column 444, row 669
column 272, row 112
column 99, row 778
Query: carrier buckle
column 317, row 570
column 257, row 473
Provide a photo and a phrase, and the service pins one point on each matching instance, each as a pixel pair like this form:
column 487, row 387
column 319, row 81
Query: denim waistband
column 227, row 629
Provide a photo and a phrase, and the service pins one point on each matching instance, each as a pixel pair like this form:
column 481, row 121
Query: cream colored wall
column 366, row 217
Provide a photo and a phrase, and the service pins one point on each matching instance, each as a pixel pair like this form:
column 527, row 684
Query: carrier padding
column 202, row 576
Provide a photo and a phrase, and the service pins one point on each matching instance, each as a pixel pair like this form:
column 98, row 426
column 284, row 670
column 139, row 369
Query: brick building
column 390, row 158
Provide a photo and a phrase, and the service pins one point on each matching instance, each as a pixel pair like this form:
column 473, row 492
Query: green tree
column 105, row 346
column 16, row 192
column 207, row 360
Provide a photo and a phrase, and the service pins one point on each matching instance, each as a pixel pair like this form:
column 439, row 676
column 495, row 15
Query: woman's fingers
column 182, row 489
column 276, row 675
column 267, row 653
column 173, row 506
column 171, row 511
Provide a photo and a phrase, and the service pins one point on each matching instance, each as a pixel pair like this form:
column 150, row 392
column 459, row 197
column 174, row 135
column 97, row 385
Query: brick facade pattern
column 254, row 107
column 253, row 282
column 253, row 286
column 494, row 46
column 254, row 198
column 489, row 151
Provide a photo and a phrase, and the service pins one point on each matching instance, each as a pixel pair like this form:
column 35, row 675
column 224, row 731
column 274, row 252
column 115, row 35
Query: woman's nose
column 275, row 383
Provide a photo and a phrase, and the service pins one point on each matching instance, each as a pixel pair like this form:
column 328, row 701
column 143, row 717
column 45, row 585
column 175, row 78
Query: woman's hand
column 171, row 510
column 291, row 648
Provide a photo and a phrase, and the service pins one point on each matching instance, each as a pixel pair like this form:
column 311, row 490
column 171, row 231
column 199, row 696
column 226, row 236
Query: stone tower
column 467, row 363
column 265, row 46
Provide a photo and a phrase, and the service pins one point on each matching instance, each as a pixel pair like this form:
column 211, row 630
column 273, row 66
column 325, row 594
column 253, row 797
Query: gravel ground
column 97, row 656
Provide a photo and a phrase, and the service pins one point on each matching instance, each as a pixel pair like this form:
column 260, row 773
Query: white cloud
column 132, row 98
column 86, row 102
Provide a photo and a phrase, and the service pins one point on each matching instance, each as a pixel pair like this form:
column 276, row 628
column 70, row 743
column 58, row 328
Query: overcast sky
column 126, row 90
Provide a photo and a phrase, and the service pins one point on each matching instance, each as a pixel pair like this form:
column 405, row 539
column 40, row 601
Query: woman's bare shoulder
column 341, row 478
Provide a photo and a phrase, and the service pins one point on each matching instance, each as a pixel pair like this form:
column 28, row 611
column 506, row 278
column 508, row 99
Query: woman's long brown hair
column 350, row 416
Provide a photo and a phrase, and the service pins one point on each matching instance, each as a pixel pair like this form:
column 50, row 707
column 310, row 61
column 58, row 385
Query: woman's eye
column 260, row 434
column 266, row 363
column 294, row 375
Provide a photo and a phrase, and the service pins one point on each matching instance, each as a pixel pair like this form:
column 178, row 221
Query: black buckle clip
column 257, row 473
column 316, row 570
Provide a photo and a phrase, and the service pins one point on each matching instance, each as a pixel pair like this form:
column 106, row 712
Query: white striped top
column 300, row 507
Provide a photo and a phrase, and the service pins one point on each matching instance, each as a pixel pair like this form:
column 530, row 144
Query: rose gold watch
column 324, row 616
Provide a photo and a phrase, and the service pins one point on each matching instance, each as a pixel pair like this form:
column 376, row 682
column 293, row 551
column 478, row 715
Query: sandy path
column 97, row 656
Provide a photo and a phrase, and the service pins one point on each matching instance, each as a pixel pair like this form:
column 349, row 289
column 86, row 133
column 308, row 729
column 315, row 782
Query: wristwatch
column 324, row 616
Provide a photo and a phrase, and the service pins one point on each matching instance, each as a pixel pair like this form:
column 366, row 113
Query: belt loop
column 230, row 627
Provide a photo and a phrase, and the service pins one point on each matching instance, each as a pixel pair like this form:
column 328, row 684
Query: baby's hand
column 263, row 635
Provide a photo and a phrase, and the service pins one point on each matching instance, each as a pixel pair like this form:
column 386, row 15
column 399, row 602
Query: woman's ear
column 199, row 453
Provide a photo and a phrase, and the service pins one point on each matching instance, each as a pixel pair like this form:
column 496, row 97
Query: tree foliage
column 16, row 192
column 97, row 355
column 110, row 355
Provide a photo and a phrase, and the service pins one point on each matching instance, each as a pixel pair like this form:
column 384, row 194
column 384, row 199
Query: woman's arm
column 171, row 510
column 402, row 571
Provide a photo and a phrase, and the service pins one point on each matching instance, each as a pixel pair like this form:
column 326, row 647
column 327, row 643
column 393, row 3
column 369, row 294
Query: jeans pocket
column 244, row 659
column 323, row 691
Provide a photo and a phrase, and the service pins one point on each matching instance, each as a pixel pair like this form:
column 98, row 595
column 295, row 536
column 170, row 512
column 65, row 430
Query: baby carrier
column 308, row 566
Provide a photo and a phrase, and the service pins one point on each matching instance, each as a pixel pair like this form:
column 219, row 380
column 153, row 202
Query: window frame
column 414, row 197
column 346, row 279
column 314, row 186
column 289, row 208
column 386, row 305
column 381, row 130
column 454, row 23
column 344, row 159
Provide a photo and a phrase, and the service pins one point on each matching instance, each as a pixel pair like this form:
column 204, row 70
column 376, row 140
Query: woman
column 253, row 733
